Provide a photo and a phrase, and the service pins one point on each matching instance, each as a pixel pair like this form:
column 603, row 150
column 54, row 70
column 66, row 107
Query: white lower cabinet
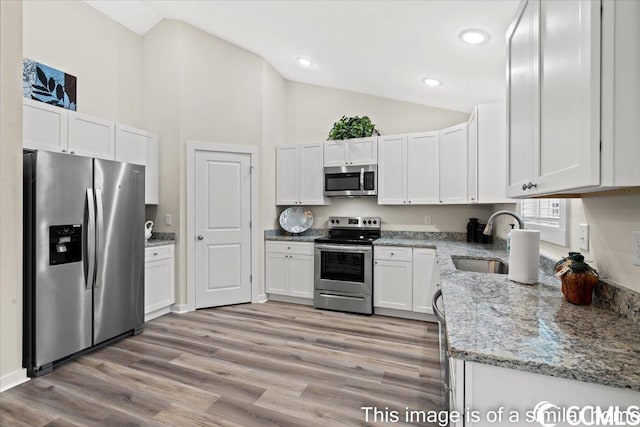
column 159, row 281
column 404, row 278
column 487, row 388
column 289, row 269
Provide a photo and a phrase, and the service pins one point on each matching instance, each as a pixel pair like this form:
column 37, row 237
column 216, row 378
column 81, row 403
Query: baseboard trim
column 425, row 317
column 293, row 300
column 13, row 379
column 260, row 299
column 181, row 308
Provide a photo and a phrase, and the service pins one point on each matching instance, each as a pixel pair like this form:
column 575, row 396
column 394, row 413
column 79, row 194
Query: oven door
column 344, row 268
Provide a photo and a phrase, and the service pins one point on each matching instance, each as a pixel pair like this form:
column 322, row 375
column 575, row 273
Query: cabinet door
column 152, row 171
column 422, row 168
column 131, row 145
column 522, row 112
column 492, row 153
column 335, row 153
column 311, row 174
column 424, row 279
column 277, row 273
column 301, row 276
column 287, row 183
column 453, row 164
column 393, row 284
column 159, row 284
column 472, row 157
column 392, row 170
column 363, row 151
column 44, row 127
column 90, row 136
column 568, row 148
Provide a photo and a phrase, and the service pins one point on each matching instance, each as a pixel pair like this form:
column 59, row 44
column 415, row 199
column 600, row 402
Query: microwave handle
column 361, row 179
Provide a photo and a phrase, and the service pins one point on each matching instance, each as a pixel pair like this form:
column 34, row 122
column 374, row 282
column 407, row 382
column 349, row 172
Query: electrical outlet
column 635, row 250
column 584, row 237
column 427, row 220
column 167, row 219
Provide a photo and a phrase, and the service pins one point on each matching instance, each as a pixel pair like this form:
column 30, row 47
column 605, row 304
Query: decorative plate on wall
column 296, row 219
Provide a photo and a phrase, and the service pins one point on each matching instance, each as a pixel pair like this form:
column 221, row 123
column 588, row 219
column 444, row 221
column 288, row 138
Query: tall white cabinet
column 565, row 81
column 300, row 174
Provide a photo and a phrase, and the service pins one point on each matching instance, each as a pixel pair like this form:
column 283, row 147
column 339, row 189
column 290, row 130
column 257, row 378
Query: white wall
column 312, row 110
column 611, row 220
column 104, row 56
column 11, row 371
column 214, row 94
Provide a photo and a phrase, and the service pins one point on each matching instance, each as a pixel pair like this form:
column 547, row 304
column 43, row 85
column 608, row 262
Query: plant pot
column 577, row 288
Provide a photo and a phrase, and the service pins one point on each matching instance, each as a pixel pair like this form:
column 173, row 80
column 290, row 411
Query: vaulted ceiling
column 383, row 48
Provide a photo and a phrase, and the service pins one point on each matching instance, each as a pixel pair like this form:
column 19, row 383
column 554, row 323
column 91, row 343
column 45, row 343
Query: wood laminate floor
column 245, row 365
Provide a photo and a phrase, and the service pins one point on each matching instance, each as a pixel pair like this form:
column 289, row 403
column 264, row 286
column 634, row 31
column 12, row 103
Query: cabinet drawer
column 291, row 247
column 155, row 253
column 393, row 253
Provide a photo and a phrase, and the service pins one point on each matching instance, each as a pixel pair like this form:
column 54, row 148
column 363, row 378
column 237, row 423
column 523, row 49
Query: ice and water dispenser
column 65, row 244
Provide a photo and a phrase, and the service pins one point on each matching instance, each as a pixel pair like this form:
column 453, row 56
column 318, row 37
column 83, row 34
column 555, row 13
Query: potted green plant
column 352, row 127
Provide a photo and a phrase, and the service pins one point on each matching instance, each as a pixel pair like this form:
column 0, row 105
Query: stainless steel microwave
column 351, row 181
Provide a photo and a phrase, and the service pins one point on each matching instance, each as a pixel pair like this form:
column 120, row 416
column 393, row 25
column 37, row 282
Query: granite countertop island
column 495, row 321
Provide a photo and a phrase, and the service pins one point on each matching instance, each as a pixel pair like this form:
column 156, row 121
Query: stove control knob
column 369, row 222
column 337, row 221
column 375, row 222
column 333, row 221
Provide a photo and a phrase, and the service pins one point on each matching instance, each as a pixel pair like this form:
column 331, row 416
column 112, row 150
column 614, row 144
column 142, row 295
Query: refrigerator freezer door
column 59, row 301
column 119, row 288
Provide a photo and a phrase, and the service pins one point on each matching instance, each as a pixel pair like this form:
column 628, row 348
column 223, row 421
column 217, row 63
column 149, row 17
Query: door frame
column 199, row 146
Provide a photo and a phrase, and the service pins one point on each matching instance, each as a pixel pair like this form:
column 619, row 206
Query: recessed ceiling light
column 305, row 62
column 474, row 36
column 430, row 81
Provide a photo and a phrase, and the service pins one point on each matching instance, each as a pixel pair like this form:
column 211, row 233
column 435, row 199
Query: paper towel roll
column 524, row 256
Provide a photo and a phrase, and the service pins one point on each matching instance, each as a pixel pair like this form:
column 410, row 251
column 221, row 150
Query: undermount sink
column 480, row 265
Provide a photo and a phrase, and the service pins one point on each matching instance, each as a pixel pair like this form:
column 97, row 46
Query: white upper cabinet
column 487, row 170
column 453, row 164
column 90, row 136
column 140, row 147
column 422, row 167
column 300, row 174
column 131, row 145
column 44, row 127
column 351, row 152
column 472, row 157
column 561, row 109
column 392, row 170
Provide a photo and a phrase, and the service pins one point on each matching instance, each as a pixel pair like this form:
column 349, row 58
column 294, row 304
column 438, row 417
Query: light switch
column 167, row 219
column 584, row 237
column 635, row 250
column 427, row 219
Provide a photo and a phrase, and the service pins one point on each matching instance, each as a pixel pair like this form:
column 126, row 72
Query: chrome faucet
column 488, row 230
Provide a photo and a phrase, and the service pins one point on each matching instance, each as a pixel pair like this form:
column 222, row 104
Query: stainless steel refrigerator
column 83, row 255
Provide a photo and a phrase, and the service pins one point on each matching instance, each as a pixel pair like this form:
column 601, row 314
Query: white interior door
column 222, row 228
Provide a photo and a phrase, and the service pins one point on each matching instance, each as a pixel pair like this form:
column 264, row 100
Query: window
column 549, row 216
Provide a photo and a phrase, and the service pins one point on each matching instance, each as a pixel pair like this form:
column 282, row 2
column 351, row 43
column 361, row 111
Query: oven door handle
column 344, row 248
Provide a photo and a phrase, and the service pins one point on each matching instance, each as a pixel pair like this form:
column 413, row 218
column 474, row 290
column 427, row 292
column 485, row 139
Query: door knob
column 200, row 237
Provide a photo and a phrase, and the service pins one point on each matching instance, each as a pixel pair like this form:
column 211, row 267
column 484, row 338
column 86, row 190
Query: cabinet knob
column 404, row 201
column 533, row 185
column 200, row 237
column 73, row 152
column 524, row 187
column 155, row 254
column 409, row 201
column 64, row 151
column 391, row 253
column 288, row 247
column 375, row 262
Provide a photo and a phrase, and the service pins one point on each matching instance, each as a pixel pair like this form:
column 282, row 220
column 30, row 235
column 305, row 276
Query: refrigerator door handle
column 91, row 240
column 99, row 247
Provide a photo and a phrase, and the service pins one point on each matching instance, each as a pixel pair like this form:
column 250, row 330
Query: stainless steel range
column 344, row 265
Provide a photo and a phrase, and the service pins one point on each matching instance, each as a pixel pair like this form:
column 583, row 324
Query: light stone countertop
column 495, row 321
